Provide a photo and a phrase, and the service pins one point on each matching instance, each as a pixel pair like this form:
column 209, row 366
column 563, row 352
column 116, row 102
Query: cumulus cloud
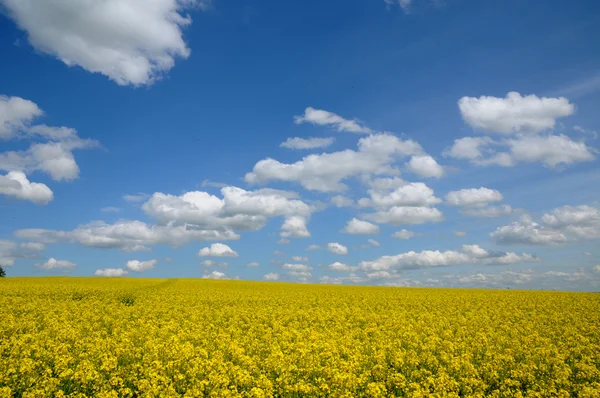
column 110, row 272
column 514, row 113
column 409, row 215
column 11, row 251
column 487, row 211
column 469, row 255
column 238, row 209
column 128, row 236
column 339, row 267
column 550, row 150
column 53, row 158
column 16, row 115
column 425, row 166
column 312, row 248
column 359, row 227
column 53, row 264
column 297, row 267
column 325, row 172
column 271, row 276
column 307, row 143
column 294, row 227
column 337, row 248
column 404, row 234
column 217, row 250
column 473, row 196
column 408, row 194
column 342, row 201
column 336, row 122
column 215, row 275
column 16, row 185
column 130, row 42
column 562, row 225
column 140, row 266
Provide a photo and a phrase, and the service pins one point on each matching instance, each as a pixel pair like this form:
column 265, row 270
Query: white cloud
column 294, row 227
column 337, row 248
column 373, row 242
column 487, row 211
column 128, row 236
column 217, row 250
column 404, row 234
column 297, row 267
column 460, row 234
column 53, row 158
column 312, row 248
column 237, row 210
column 325, row 118
column 409, row 194
column 53, row 264
column 550, row 150
column 11, row 251
column 359, row 227
column 514, row 113
column 253, row 264
column 342, row 201
column 131, row 42
column 110, row 209
column 215, row 275
column 136, row 198
column 110, row 272
column 300, row 259
column 15, row 115
column 307, row 143
column 404, row 4
column 473, row 197
column 470, row 255
column 425, row 166
column 16, row 185
column 581, row 130
column 527, row 231
column 140, row 266
column 339, row 267
column 271, row 276
column 325, row 172
column 409, row 215
column 596, row 269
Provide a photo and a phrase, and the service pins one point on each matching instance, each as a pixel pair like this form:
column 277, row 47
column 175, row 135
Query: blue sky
column 132, row 137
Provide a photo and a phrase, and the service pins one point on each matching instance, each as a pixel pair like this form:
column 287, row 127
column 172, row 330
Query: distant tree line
column 2, row 273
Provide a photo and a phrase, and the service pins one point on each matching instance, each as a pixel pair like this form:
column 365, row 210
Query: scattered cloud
column 16, row 115
column 136, row 198
column 325, row 172
column 591, row 133
column 312, row 248
column 140, row 266
column 54, row 264
column 336, row 122
column 217, row 250
column 11, row 251
column 514, row 113
column 215, row 275
column 342, row 201
column 359, row 227
column 307, row 143
column 339, row 267
column 425, row 166
column 469, row 255
column 460, row 234
column 253, row 264
column 404, row 234
column 16, row 185
column 562, row 225
column 407, row 215
column 130, row 42
column 300, row 259
column 110, row 272
column 271, row 276
column 294, row 227
column 487, row 211
column 337, row 248
column 373, row 242
column 473, row 197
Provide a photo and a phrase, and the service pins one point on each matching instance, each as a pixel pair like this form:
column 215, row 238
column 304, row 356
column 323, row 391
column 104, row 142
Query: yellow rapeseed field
column 148, row 338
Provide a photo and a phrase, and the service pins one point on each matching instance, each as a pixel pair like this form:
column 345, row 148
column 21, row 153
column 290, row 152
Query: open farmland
column 149, row 337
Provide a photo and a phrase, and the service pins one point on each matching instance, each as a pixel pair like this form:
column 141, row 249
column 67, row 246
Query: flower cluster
column 147, row 338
